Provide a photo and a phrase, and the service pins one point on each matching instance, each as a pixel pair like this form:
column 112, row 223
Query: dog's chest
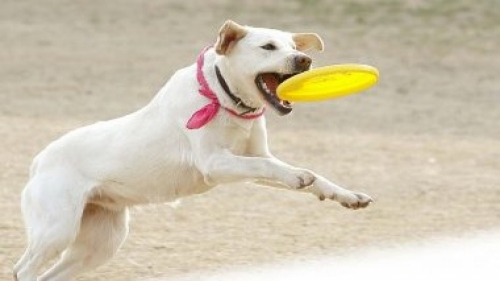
column 235, row 137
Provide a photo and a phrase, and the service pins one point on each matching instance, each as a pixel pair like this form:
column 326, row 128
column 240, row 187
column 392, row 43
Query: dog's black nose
column 302, row 63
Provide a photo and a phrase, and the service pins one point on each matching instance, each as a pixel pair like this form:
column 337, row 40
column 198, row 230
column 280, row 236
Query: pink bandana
column 204, row 115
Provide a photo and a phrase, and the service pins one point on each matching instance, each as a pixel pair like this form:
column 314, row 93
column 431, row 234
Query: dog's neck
column 236, row 100
column 228, row 94
column 205, row 114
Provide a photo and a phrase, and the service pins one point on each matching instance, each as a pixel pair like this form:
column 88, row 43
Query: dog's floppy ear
column 229, row 34
column 306, row 41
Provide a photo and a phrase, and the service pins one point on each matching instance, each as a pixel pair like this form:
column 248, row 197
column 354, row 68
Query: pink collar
column 204, row 115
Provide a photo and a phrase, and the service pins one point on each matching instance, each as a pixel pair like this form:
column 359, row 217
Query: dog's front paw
column 299, row 179
column 354, row 200
column 347, row 198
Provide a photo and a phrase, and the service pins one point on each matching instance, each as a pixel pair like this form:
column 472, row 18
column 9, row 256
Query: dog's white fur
column 81, row 186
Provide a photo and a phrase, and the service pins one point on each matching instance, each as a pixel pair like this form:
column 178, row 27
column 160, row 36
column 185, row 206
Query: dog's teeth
column 265, row 87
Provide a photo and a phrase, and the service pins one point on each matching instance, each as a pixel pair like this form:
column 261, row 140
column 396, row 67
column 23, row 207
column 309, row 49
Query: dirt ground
column 425, row 142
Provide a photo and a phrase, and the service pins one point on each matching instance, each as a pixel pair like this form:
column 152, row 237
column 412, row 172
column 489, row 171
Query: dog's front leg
column 325, row 189
column 226, row 167
column 321, row 187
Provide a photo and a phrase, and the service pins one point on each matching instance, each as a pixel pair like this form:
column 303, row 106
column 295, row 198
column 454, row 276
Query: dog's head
column 257, row 60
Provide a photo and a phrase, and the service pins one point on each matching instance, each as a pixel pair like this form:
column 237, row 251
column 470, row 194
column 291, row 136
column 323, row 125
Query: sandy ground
column 425, row 142
column 469, row 257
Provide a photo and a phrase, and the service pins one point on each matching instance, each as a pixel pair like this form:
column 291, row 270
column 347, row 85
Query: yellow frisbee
column 328, row 82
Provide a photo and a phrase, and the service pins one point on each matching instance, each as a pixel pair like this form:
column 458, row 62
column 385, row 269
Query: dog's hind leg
column 52, row 205
column 102, row 232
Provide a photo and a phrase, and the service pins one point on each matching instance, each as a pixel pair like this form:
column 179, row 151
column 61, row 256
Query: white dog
column 203, row 128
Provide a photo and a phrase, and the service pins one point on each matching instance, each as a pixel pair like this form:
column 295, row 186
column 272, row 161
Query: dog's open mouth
column 267, row 83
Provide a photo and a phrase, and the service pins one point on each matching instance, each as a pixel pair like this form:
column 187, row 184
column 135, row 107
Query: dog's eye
column 269, row 47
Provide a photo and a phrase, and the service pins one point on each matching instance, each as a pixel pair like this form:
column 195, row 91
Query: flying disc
column 328, row 82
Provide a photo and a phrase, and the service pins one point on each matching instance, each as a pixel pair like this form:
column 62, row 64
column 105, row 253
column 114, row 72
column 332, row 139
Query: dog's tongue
column 271, row 81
